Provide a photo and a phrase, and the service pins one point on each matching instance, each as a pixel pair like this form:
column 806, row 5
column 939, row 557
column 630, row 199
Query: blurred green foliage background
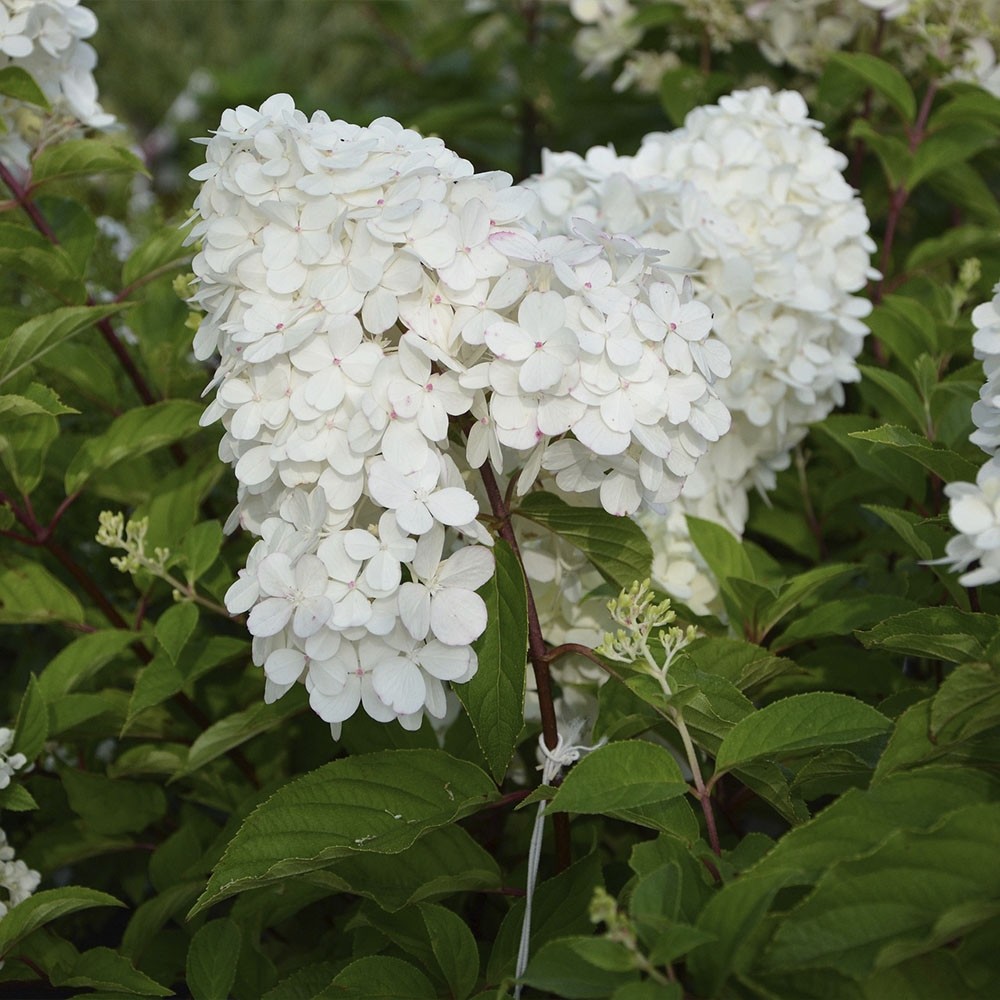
column 498, row 81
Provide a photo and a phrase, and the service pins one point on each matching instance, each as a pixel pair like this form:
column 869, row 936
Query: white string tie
column 553, row 761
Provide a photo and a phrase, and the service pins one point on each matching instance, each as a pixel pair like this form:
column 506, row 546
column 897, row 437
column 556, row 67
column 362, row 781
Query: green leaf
column 160, row 254
column 150, row 917
column 801, row 587
column 800, row 722
column 211, row 959
column 734, row 917
column 31, row 729
column 581, row 967
column 905, row 524
column 112, row 807
column 494, row 698
column 883, row 77
column 966, row 704
column 615, row 545
column 381, row 977
column 561, row 906
column 893, row 153
column 49, row 266
column 72, row 710
column 26, row 440
column 79, row 661
column 32, row 340
column 973, row 104
column 620, row 776
column 134, row 433
column 915, row 892
column 940, row 460
column 19, row 84
column 17, row 798
column 175, row 627
column 900, row 390
column 148, row 759
column 442, row 862
column 344, row 807
column 234, row 730
column 29, row 593
column 745, row 665
column 105, row 969
column 906, row 326
column 14, row 407
column 454, row 948
column 938, row 633
column 159, row 680
column 45, row 906
column 860, row 820
column 200, row 548
column 841, row 617
column 964, row 187
column 310, row 982
column 950, row 145
column 721, row 549
column 78, row 157
column 648, row 990
column 954, row 244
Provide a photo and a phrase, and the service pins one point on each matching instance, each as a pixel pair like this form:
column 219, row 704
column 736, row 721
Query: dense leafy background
column 193, row 840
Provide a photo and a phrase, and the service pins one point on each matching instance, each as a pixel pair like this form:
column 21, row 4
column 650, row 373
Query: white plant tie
column 554, row 760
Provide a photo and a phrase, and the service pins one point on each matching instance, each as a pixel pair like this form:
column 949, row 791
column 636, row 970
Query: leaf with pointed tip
column 621, row 775
column 211, row 959
column 45, row 906
column 32, row 340
column 616, row 546
column 134, row 433
column 379, row 802
column 494, row 698
column 800, row 722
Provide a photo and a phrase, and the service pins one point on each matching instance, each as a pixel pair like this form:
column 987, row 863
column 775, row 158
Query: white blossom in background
column 46, row 38
column 368, row 295
column 915, row 34
column 986, row 344
column 975, row 514
column 750, row 197
column 9, row 762
column 17, row 880
column 974, row 510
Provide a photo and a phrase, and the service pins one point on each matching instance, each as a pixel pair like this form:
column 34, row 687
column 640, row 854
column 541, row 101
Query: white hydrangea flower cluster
column 749, row 195
column 975, row 508
column 364, row 288
column 46, row 38
column 16, row 878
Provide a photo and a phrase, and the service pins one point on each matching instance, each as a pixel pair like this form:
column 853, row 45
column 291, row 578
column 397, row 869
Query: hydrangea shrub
column 426, row 579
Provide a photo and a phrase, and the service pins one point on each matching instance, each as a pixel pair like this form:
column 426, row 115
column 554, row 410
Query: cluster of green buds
column 640, row 617
column 114, row 533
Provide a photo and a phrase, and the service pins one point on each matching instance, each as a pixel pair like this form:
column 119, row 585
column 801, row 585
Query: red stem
column 537, row 655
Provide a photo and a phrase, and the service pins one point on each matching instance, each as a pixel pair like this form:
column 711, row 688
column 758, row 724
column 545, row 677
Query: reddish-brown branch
column 537, row 654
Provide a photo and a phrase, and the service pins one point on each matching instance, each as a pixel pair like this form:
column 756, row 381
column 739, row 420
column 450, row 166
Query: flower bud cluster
column 975, row 507
column 371, row 297
column 46, row 39
column 750, row 196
